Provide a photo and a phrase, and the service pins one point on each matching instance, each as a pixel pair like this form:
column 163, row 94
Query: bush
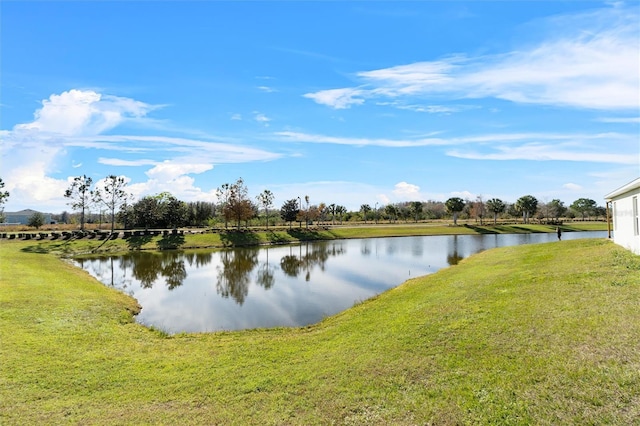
column 36, row 220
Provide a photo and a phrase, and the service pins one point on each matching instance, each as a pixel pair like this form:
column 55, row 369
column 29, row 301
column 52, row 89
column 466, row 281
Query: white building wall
column 625, row 206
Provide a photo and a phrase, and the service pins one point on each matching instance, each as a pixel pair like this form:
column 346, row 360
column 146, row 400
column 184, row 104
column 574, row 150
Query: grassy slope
column 537, row 334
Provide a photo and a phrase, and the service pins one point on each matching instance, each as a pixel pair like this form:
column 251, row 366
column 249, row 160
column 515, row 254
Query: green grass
column 535, row 334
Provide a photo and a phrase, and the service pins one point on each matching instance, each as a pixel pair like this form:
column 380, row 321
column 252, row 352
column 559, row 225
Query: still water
column 198, row 291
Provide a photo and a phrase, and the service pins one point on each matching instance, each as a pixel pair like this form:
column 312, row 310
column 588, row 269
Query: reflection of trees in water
column 148, row 267
column 234, row 273
column 173, row 270
column 199, row 258
column 454, row 258
column 307, row 258
column 266, row 274
column 453, row 255
column 365, row 247
column 290, row 265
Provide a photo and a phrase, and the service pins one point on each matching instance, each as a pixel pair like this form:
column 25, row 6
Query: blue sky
column 346, row 102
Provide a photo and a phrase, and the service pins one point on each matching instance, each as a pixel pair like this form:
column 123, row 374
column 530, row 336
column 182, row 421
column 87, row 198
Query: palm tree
column 340, row 210
column 495, row 206
column 332, row 209
column 527, row 205
column 454, row 205
column 365, row 208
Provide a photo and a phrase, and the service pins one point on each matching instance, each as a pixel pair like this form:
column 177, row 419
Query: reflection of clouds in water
column 328, row 277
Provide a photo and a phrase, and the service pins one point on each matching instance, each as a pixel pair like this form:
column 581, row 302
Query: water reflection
column 234, row 273
column 281, row 286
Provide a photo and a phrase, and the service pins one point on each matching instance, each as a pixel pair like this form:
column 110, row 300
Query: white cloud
column 127, row 163
column 572, row 186
column 618, row 148
column 539, row 152
column 396, row 143
column 407, row 191
column 338, row 98
column 261, row 118
column 267, row 89
column 630, row 120
column 182, row 187
column 588, row 60
column 78, row 112
column 168, row 171
column 30, row 186
column 465, row 195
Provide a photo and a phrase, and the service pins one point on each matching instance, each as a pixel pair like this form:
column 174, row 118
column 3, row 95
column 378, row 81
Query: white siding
column 626, row 216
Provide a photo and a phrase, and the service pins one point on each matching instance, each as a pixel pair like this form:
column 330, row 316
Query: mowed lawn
column 535, row 334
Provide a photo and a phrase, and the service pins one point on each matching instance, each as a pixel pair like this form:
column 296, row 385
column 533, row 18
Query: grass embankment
column 234, row 238
column 535, row 334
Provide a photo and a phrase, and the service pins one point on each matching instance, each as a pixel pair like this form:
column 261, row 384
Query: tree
column 147, row 212
column 584, row 206
column 265, row 198
column 289, row 211
column 112, row 194
column 36, row 220
column 496, row 206
column 478, row 209
column 416, row 210
column 365, row 209
column 223, row 193
column 332, row 209
column 313, row 213
column 556, row 209
column 306, row 212
column 322, row 210
column 64, row 217
column 237, row 205
column 527, row 206
column 199, row 212
column 454, row 206
column 4, row 195
column 174, row 212
column 391, row 211
column 340, row 210
column 79, row 195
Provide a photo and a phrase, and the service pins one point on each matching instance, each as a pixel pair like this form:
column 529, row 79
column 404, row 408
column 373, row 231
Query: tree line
column 236, row 208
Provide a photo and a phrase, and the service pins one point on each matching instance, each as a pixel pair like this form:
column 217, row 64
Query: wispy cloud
column 572, row 186
column 616, row 148
column 339, row 98
column 126, row 163
column 585, row 61
column 629, row 120
column 539, row 152
column 261, row 118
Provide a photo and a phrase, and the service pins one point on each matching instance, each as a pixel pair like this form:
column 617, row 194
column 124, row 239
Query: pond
column 243, row 288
